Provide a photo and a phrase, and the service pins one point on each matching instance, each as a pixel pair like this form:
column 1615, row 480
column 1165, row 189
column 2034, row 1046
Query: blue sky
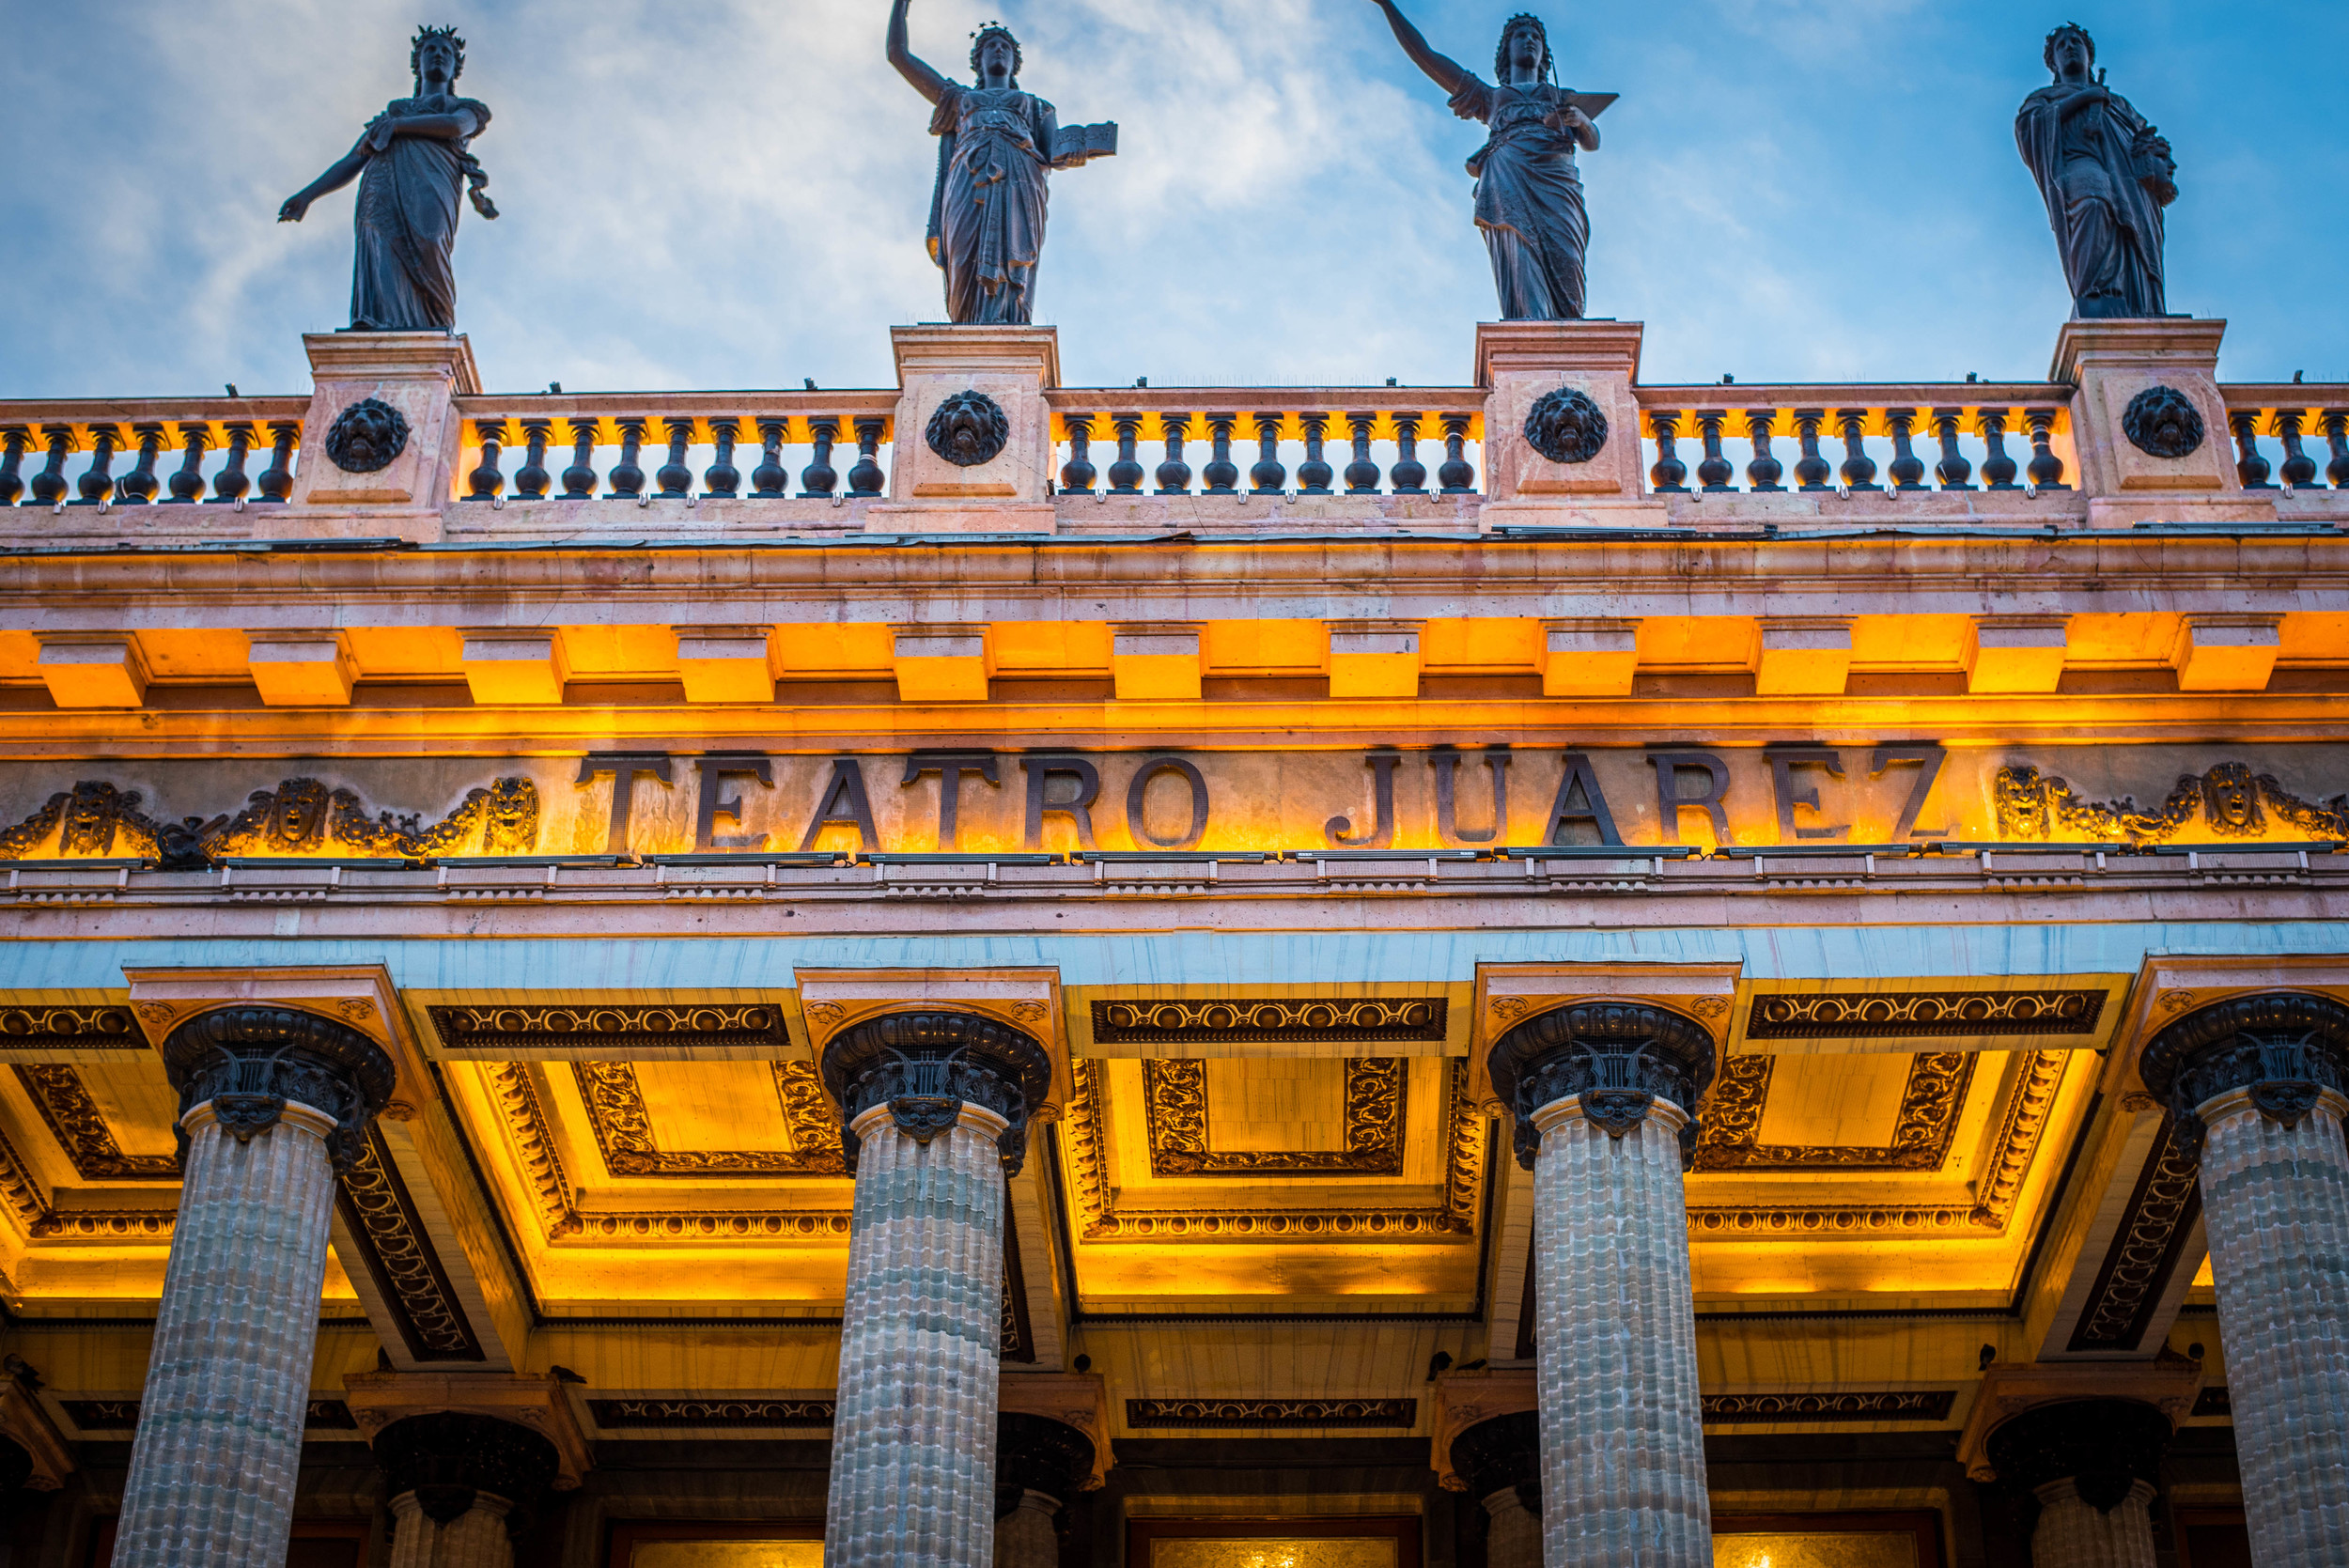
column 732, row 194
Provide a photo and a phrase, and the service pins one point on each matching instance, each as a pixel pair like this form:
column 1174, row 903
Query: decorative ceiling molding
column 2146, row 1248
column 2169, row 1383
column 1996, row 1194
column 1904, row 1405
column 1922, row 1014
column 1176, row 1116
column 389, row 1233
column 1282, row 1021
column 623, row 1127
column 1922, row 1128
column 540, row 1404
column 33, row 1028
column 728, row 1415
column 1095, row 1194
column 24, row 1198
column 1209, row 1414
column 608, row 1032
column 93, row 1416
column 80, row 1127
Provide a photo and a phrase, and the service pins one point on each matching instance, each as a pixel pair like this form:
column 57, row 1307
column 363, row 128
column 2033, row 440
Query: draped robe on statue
column 1528, row 199
column 987, row 211
column 2105, row 191
column 404, row 278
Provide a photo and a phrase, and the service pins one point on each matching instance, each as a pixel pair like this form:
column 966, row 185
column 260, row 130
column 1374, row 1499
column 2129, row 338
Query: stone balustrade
column 1859, row 442
column 136, row 453
column 2299, row 418
column 1282, row 441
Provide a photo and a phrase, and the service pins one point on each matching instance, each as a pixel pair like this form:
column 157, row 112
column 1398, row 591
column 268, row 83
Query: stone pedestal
column 1519, row 363
column 2261, row 1078
column 2075, row 1532
column 1597, row 1091
column 2113, row 362
column 936, row 1106
column 271, row 1100
column 415, row 375
column 1009, row 492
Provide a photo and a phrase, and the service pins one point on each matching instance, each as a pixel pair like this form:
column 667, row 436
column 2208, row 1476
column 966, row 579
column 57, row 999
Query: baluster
column 230, row 484
column 1858, row 470
column 627, row 478
column 819, row 479
column 1361, row 475
column 1269, row 474
column 487, row 481
column 1670, row 476
column 1714, row 472
column 2047, row 469
column 578, row 480
column 1765, row 471
column 16, row 438
column 1457, row 476
column 1221, row 474
column 2299, row 468
column 275, row 481
column 187, row 480
column 1811, row 470
column 1314, row 474
column 96, row 484
column 140, row 485
column 864, row 477
column 532, row 479
column 1908, row 470
column 674, row 479
column 1078, row 474
column 1998, row 468
column 2250, row 466
column 1410, row 476
column 2336, row 436
column 722, row 478
column 769, row 477
column 1174, row 474
column 1126, row 474
column 1954, row 470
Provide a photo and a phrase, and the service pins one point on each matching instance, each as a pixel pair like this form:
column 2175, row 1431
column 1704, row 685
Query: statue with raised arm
column 1529, row 194
column 996, row 146
column 411, row 163
column 2105, row 174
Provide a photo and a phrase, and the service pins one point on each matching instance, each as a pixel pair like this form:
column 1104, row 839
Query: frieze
column 739, row 1415
column 1086, row 1147
column 692, row 1026
column 299, row 818
column 623, row 1127
column 1270, row 1019
column 1906, row 1405
column 122, row 1415
column 81, row 1130
column 34, row 1028
column 1174, row 1099
column 1205, row 1414
column 381, row 1216
column 1921, row 1015
column 2226, row 801
column 2146, row 1247
column 1923, row 1128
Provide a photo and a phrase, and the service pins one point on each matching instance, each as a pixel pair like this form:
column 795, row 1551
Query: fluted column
column 272, row 1101
column 1040, row 1465
column 1600, row 1093
column 462, row 1487
column 2261, row 1078
column 2092, row 1467
column 936, row 1107
column 1500, row 1461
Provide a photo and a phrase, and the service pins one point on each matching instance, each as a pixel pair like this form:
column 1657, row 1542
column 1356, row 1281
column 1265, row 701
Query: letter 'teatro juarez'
column 411, row 162
column 1529, row 194
column 997, row 146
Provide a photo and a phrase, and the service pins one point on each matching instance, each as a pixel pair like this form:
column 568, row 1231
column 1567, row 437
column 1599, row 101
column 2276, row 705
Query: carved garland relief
column 299, row 818
column 1174, row 1099
column 383, row 1218
column 2226, row 801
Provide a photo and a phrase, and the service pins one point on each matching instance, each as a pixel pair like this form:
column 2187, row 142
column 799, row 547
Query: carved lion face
column 513, row 820
column 367, row 436
column 1566, row 426
column 2162, row 422
column 968, row 430
column 2021, row 799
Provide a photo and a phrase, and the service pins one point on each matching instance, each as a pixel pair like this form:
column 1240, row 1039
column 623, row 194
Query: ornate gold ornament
column 1265, row 1019
column 1174, row 1103
column 2173, row 1001
column 609, row 1030
column 623, row 1125
column 2145, row 1250
column 1903, row 1404
column 383, row 1218
column 80, row 1126
column 1211, row 1413
column 35, row 1028
column 740, row 1415
column 1921, row 1129
column 1913, row 1015
column 2226, row 801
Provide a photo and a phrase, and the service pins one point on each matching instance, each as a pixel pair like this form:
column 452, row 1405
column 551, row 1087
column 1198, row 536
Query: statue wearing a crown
column 996, row 146
column 412, row 163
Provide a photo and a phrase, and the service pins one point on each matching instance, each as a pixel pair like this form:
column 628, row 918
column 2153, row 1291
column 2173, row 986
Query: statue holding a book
column 997, row 146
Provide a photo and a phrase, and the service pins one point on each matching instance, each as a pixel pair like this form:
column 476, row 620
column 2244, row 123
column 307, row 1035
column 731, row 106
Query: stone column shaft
column 1027, row 1537
column 2276, row 1207
column 1623, row 1441
column 476, row 1538
column 2073, row 1532
column 913, row 1439
column 212, row 1469
column 1513, row 1536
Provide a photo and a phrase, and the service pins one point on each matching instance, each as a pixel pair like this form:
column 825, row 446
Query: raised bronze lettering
column 1447, row 764
column 845, row 804
column 1078, row 808
column 1930, row 759
column 1670, row 802
column 950, row 766
column 625, row 768
column 1381, row 833
column 1137, row 796
column 1791, row 794
column 1562, row 814
column 715, row 771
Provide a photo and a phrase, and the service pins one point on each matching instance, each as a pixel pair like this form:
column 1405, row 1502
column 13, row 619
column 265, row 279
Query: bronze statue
column 996, row 148
column 411, row 161
column 2105, row 174
column 1529, row 197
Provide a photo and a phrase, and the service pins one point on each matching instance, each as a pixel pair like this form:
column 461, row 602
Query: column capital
column 2011, row 1390
column 25, row 1423
column 1503, row 1452
column 1617, row 1058
column 1465, row 1399
column 2104, row 1447
column 2283, row 1049
column 450, row 1460
column 538, row 1405
column 1077, row 1398
column 925, row 1066
column 246, row 1062
column 1037, row 1454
